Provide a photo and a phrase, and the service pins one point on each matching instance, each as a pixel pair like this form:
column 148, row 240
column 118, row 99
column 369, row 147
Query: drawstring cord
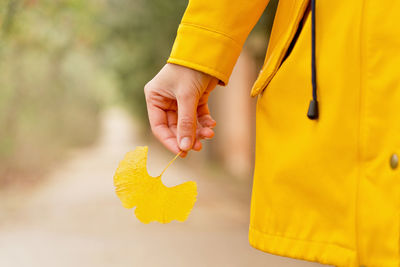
column 313, row 107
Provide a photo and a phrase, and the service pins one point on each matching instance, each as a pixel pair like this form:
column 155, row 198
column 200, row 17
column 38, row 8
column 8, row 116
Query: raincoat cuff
column 205, row 50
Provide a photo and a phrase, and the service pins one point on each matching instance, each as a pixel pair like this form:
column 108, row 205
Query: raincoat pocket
column 284, row 32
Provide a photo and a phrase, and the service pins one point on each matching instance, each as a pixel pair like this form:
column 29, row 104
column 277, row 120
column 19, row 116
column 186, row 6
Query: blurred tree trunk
column 11, row 12
column 234, row 111
column 11, row 111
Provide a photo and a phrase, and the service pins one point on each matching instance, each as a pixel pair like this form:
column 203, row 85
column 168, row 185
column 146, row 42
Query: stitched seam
column 211, row 30
column 303, row 240
column 359, row 143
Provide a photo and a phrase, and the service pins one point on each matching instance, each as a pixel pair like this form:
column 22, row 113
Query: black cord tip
column 312, row 113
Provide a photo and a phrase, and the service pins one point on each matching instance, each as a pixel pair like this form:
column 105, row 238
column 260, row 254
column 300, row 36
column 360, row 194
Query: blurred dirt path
column 75, row 219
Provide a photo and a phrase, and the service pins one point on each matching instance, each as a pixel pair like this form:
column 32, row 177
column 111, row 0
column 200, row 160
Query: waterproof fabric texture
column 324, row 190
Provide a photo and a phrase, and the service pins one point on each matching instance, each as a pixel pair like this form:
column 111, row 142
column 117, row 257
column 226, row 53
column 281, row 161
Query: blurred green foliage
column 61, row 61
column 138, row 43
column 140, row 38
column 51, row 81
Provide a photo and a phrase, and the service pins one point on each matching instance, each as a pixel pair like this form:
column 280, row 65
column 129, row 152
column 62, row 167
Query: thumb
column 187, row 119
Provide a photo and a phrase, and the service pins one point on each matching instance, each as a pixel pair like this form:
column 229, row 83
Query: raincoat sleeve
column 211, row 35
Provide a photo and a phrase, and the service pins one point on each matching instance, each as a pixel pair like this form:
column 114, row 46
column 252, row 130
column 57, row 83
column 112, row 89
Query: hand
column 177, row 106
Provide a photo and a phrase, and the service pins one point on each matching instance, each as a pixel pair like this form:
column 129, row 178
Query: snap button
column 394, row 161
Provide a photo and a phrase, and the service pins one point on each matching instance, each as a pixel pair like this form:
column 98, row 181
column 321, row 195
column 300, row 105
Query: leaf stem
column 177, row 155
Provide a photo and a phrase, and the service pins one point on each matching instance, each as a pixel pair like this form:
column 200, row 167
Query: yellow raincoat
column 325, row 190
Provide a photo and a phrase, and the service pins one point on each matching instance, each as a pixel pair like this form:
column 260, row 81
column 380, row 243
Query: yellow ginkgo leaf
column 153, row 200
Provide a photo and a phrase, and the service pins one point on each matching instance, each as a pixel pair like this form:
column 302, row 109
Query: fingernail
column 185, row 143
